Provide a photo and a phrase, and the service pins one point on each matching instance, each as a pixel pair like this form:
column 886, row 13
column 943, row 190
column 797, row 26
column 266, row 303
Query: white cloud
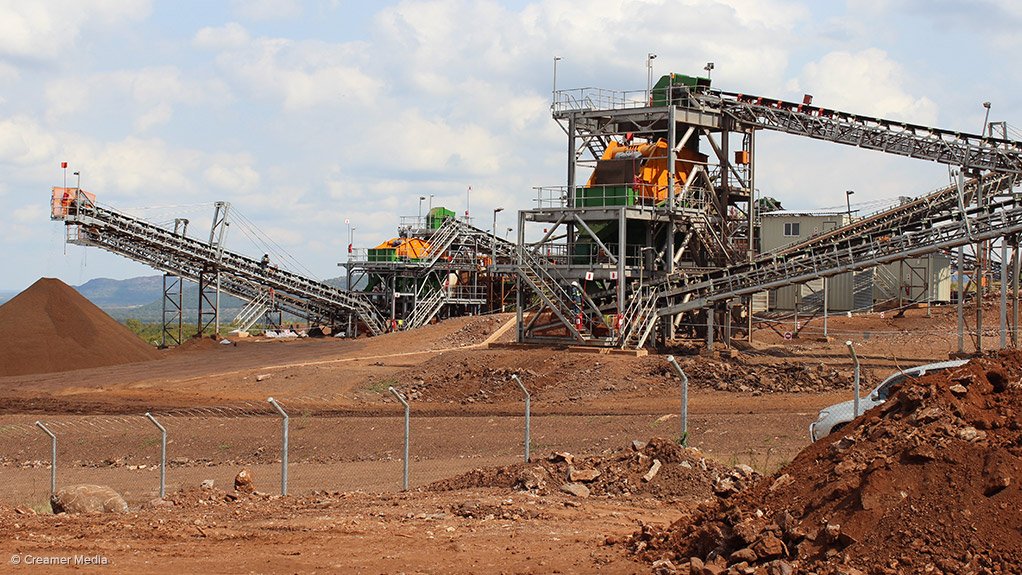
column 35, row 31
column 267, row 9
column 30, row 214
column 232, row 172
column 867, row 82
column 157, row 115
column 230, row 35
column 300, row 75
column 150, row 95
column 23, row 142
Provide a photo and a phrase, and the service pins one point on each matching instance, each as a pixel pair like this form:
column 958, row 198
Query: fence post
column 401, row 398
column 528, row 412
column 283, row 456
column 163, row 454
column 53, row 457
column 684, row 399
column 855, row 379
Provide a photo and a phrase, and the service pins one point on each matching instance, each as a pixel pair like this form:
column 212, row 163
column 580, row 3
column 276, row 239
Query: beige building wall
column 787, row 228
column 918, row 274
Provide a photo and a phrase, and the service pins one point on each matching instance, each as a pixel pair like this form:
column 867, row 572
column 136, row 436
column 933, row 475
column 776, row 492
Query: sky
column 304, row 115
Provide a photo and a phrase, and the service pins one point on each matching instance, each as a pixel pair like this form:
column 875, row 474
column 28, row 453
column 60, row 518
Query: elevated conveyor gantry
column 968, row 151
column 187, row 257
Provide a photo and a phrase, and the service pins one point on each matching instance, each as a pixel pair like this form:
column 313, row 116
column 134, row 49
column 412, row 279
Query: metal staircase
column 252, row 311
column 640, row 317
column 551, row 292
column 186, row 257
column 442, row 239
column 886, row 283
column 426, row 308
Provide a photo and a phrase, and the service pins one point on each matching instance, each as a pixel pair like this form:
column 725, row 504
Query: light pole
column 848, row 203
column 709, row 68
column 418, row 221
column 430, row 207
column 649, row 75
column 78, row 186
column 986, row 117
column 493, row 262
column 553, row 93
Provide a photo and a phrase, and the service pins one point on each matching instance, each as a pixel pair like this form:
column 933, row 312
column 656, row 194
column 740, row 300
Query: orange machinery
column 644, row 168
column 64, row 198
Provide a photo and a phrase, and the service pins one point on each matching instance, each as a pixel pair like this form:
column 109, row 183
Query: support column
column 961, row 299
column 570, row 192
column 519, row 298
column 172, row 311
column 572, row 164
column 1004, row 295
column 752, row 198
column 209, row 310
column 929, row 283
column 672, row 200
column 978, row 275
column 709, row 327
column 901, row 286
column 751, row 215
column 826, row 305
column 1017, row 264
column 622, row 257
column 748, row 317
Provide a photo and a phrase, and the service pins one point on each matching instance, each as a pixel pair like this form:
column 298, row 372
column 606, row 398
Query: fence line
column 143, row 457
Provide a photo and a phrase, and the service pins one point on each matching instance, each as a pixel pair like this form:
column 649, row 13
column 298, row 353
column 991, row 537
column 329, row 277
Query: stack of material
column 50, row 327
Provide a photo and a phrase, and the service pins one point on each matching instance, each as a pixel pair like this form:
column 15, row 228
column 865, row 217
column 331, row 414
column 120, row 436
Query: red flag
column 349, row 248
column 63, row 164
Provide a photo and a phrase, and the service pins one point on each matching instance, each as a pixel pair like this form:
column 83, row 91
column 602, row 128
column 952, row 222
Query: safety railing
column 598, row 99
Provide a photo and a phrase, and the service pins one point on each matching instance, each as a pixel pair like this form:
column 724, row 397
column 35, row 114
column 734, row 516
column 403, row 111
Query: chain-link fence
column 325, row 451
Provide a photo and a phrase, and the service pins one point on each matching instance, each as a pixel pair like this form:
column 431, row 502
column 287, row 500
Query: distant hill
column 118, row 294
column 6, row 295
column 141, row 298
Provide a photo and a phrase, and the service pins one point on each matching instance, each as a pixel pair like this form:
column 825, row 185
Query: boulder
column 576, row 489
column 88, row 499
column 582, row 474
column 243, row 481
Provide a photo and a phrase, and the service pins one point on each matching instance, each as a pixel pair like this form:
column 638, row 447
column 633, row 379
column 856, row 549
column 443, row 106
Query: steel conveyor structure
column 174, row 253
column 687, row 242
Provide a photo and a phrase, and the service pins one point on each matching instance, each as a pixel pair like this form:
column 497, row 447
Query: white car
column 835, row 417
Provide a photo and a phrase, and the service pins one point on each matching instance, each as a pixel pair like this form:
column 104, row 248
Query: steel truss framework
column 179, row 255
column 698, row 248
column 464, row 271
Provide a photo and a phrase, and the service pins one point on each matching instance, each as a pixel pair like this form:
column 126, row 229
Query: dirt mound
column 50, row 327
column 659, row 468
column 198, row 344
column 475, row 330
column 928, row 482
column 484, row 376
